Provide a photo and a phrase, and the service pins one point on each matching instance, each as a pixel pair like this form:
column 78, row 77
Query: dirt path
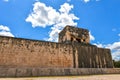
column 94, row 77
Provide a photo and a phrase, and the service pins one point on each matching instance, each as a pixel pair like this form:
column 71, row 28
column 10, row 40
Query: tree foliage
column 116, row 64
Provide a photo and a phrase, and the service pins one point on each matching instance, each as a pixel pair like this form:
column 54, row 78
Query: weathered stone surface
column 3, row 72
column 74, row 34
column 23, row 72
column 51, row 55
column 11, row 72
column 30, row 53
column 34, row 72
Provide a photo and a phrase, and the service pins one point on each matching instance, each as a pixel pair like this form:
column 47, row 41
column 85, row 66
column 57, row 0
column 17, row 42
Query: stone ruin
column 25, row 57
column 73, row 34
column 79, row 38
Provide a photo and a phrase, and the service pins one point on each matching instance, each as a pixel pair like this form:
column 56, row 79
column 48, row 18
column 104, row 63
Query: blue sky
column 44, row 19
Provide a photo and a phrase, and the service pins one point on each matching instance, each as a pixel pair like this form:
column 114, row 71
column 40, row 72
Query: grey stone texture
column 35, row 72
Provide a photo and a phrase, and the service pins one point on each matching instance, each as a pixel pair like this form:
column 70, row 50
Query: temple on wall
column 72, row 51
column 73, row 34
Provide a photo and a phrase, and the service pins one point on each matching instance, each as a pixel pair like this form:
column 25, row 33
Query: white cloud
column 116, row 55
column 115, row 48
column 92, row 38
column 43, row 16
column 86, row 1
column 5, row 31
column 98, row 45
column 4, row 28
column 6, row 0
column 65, row 8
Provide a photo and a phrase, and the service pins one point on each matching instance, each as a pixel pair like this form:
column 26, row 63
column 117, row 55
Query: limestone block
column 35, row 72
column 23, row 72
column 3, row 72
column 11, row 72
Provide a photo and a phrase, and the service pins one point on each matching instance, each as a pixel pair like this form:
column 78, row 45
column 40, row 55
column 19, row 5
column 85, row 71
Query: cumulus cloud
column 43, row 16
column 4, row 28
column 5, row 31
column 114, row 46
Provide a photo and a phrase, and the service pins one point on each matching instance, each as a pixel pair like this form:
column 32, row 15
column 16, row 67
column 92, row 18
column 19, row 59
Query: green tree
column 116, row 64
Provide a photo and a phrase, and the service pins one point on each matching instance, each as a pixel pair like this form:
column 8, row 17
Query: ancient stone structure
column 72, row 51
column 85, row 55
column 28, row 72
column 72, row 34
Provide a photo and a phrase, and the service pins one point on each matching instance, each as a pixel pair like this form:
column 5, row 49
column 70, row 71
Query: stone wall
column 89, row 56
column 15, row 52
column 34, row 72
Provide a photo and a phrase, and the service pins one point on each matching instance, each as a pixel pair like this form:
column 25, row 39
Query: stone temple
column 73, row 34
column 73, row 51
